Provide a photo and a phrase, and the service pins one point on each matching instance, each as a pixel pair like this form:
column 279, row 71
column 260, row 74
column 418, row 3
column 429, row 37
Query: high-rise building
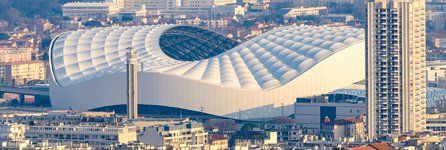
column 396, row 75
column 132, row 84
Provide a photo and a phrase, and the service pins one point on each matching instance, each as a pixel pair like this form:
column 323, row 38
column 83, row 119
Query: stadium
column 197, row 69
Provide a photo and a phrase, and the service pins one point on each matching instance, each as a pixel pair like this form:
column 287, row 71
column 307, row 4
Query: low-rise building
column 341, row 18
column 311, row 112
column 289, row 132
column 186, row 134
column 436, row 123
column 8, row 54
column 255, row 140
column 12, row 132
column 217, row 142
column 43, row 145
column 87, row 10
column 439, row 42
column 96, row 136
column 343, row 130
column 302, row 11
column 214, row 23
column 18, row 73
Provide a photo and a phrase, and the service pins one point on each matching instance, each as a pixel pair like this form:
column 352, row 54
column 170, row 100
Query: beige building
column 396, row 62
column 12, row 132
column 183, row 135
column 18, row 73
column 87, row 10
column 341, row 129
column 96, row 136
column 15, row 54
column 214, row 23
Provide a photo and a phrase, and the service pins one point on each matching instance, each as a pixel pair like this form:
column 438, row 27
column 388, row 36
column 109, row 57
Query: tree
column 4, row 36
column 248, row 126
column 127, row 17
column 93, row 23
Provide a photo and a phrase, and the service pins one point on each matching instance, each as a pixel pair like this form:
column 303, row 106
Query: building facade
column 183, row 135
column 312, row 115
column 12, row 132
column 395, row 74
column 18, row 73
column 87, row 10
column 8, row 55
column 215, row 75
column 96, row 136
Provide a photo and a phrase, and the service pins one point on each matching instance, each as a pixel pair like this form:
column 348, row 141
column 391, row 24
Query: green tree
column 248, row 126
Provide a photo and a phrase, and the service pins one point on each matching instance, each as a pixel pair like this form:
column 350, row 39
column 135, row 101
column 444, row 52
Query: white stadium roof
column 265, row 62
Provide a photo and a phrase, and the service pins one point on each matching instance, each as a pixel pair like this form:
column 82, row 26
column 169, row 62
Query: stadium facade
column 197, row 69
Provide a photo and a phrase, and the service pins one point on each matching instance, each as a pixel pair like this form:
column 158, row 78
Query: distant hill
column 18, row 11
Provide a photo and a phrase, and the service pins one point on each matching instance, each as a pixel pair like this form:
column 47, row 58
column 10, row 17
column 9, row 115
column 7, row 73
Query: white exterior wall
column 167, row 90
column 217, row 95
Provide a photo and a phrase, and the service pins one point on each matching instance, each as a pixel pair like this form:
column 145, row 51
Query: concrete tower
column 132, row 84
column 395, row 72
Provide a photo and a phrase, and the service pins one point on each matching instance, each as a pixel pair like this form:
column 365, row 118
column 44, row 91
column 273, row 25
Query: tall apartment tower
column 395, row 72
column 132, row 84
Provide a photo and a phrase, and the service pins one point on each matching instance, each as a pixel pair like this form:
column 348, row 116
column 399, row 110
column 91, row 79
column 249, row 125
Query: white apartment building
column 12, row 132
column 153, row 7
column 396, row 61
column 214, row 23
column 301, row 11
column 187, row 134
column 96, row 136
column 87, row 10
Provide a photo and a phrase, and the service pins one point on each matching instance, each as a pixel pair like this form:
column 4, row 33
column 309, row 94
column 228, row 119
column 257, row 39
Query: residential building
column 18, row 73
column 96, row 136
column 256, row 140
column 286, row 132
column 43, row 145
column 214, row 23
column 396, row 61
column 225, row 11
column 341, row 18
column 342, row 129
column 87, row 10
column 436, row 123
column 186, row 134
column 217, row 142
column 12, row 132
column 8, row 55
column 301, row 11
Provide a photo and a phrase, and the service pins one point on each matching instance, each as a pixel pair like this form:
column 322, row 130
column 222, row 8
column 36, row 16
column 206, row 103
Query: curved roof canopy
column 262, row 63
